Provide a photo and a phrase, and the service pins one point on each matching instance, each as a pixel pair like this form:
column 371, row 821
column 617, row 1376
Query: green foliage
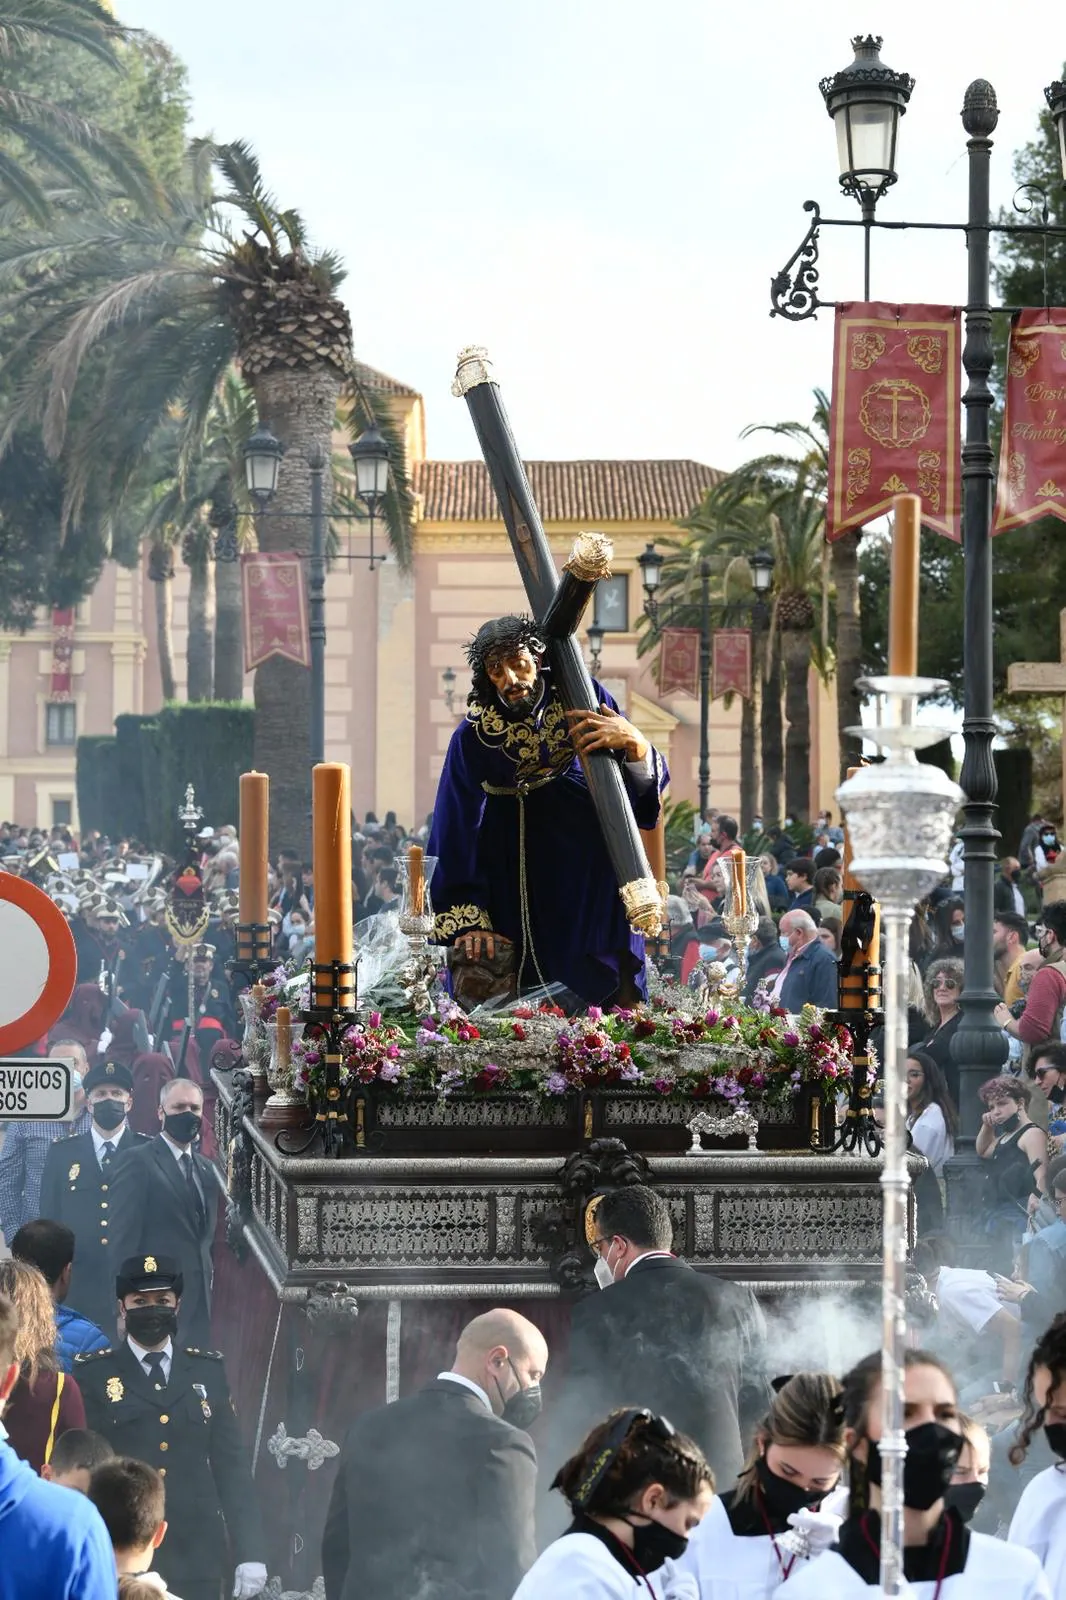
column 678, row 819
column 133, row 783
column 95, row 769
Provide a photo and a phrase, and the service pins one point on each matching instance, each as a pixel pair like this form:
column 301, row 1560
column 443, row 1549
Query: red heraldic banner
column 894, row 424
column 731, row 662
column 1032, row 452
column 679, row 660
column 62, row 652
column 275, row 609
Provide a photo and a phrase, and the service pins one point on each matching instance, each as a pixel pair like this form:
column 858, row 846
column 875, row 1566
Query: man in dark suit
column 170, row 1406
column 810, row 975
column 164, row 1199
column 434, row 1494
column 76, row 1188
column 661, row 1335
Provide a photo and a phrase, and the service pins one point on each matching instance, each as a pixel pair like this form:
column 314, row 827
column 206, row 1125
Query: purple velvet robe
column 574, row 928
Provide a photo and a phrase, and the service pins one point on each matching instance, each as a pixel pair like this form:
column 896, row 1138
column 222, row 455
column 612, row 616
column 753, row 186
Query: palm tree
column 199, row 556
column 812, row 465
column 46, row 151
column 152, row 314
column 161, row 572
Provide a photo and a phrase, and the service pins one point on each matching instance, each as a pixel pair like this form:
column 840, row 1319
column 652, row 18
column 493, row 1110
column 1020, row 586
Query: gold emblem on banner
column 115, row 1391
column 858, row 474
column 73, row 1173
column 894, row 485
column 1015, row 475
column 866, row 348
column 1049, row 490
column 895, row 413
column 929, row 477
column 1024, row 353
column 926, row 351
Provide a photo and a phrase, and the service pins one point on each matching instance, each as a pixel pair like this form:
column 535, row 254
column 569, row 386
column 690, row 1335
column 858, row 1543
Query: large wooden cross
column 1044, row 677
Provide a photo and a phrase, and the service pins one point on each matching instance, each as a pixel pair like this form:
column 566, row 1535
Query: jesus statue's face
column 513, row 674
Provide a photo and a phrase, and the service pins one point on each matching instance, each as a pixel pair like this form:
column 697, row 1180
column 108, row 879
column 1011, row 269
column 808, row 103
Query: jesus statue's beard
column 524, row 705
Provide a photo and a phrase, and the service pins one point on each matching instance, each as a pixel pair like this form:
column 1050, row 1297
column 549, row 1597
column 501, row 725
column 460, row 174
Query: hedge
column 133, row 784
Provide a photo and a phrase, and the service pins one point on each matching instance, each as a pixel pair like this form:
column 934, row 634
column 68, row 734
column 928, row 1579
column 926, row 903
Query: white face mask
column 602, row 1271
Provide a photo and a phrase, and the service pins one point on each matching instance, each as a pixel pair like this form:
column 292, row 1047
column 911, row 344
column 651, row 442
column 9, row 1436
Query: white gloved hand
column 817, row 1529
column 678, row 1585
column 249, row 1579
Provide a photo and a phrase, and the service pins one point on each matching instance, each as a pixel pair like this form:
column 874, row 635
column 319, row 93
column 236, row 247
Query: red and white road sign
column 38, row 963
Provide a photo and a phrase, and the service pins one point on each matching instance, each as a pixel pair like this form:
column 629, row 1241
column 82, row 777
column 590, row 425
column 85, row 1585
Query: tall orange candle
column 903, row 602
column 740, row 883
column 416, row 870
column 254, row 827
column 331, row 789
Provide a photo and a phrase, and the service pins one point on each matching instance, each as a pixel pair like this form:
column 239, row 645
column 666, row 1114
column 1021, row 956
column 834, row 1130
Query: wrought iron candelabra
column 900, row 815
column 324, row 1027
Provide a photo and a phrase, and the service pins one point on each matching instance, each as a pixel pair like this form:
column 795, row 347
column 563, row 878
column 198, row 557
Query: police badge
column 199, row 1389
column 74, row 1170
column 115, row 1391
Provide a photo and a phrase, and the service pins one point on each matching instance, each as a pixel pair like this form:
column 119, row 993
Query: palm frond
column 86, row 23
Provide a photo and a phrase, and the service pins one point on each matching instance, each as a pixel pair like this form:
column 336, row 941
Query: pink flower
column 595, row 1013
column 790, row 1039
column 375, row 1019
column 712, row 1017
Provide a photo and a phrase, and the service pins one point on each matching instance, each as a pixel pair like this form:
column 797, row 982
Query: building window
column 62, row 813
column 61, row 723
column 612, row 604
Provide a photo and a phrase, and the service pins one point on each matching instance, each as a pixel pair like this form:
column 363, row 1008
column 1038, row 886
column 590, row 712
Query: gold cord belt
column 519, row 793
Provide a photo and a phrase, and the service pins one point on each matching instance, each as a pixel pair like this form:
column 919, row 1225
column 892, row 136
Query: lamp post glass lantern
column 651, row 569
column 762, row 570
column 1055, row 95
column 370, row 457
column 595, row 634
column 448, row 680
column 262, row 458
column 866, row 101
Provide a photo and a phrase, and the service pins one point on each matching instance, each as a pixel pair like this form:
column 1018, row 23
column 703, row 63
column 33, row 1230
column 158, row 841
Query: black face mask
column 1055, row 1434
column 107, row 1114
column 1057, row 1095
column 932, row 1454
column 1009, row 1124
column 151, row 1324
column 522, row 1407
column 183, row 1126
column 782, row 1498
column 964, row 1498
column 654, row 1543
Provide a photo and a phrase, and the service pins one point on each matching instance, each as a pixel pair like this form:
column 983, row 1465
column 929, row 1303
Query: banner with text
column 1032, row 463
column 731, row 662
column 894, row 422
column 275, row 609
column 679, row 661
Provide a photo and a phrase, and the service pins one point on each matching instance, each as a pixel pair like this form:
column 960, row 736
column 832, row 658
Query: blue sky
column 599, row 192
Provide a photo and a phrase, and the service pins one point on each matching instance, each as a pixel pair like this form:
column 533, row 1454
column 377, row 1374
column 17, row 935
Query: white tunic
column 580, row 1567
column 1039, row 1523
column 930, row 1136
column 994, row 1571
column 728, row 1566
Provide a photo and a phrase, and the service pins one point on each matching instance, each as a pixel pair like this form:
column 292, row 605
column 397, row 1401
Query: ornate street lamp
column 595, row 633
column 370, row 457
column 762, row 570
column 448, row 680
column 262, row 457
column 651, row 571
column 1055, row 95
column 866, row 101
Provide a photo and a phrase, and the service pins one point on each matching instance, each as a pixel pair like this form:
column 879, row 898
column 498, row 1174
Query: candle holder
column 417, row 922
column 741, row 914
column 900, row 815
column 285, row 1107
column 324, row 1026
column 255, row 1047
column 859, row 1010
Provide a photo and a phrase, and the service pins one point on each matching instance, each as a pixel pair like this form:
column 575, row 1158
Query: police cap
column 140, row 1273
column 112, row 1072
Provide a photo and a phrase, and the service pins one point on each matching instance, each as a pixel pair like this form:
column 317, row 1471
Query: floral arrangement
column 716, row 1055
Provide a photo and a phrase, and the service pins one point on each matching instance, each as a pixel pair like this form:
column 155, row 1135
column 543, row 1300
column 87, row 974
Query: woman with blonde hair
column 45, row 1402
column 752, row 1538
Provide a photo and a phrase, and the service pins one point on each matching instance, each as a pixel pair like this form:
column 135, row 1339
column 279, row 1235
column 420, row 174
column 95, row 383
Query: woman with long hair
column 636, row 1490
column 45, row 1402
column 745, row 1547
column 949, row 928
column 942, row 987
column 1039, row 1523
column 942, row 1558
column 932, row 1123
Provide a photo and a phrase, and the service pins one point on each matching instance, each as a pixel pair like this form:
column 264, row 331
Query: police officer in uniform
column 76, row 1186
column 171, row 1407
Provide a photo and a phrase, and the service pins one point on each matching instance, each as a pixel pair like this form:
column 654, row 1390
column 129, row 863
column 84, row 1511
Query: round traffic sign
column 38, row 963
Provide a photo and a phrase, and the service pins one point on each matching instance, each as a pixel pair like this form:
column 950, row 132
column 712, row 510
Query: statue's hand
column 478, row 945
column 606, row 730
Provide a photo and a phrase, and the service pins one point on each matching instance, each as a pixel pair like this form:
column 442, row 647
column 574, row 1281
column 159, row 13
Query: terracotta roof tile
column 381, row 383
column 588, row 492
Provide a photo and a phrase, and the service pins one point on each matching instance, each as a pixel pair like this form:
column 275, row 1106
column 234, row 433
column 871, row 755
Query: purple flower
column 712, row 1017
column 790, row 1039
column 556, row 1083
column 390, row 1071
column 375, row 1019
column 393, row 1052
column 428, row 1036
column 815, row 1032
column 662, row 1085
column 631, row 1072
column 595, row 1013
column 729, row 1022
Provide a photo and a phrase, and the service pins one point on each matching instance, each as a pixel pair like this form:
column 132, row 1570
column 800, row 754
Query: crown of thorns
column 502, row 636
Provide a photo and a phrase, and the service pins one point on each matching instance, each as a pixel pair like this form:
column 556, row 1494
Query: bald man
column 434, row 1495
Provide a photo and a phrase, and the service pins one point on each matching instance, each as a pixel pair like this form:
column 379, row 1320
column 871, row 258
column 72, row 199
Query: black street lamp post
column 370, row 455
column 978, row 1046
column 762, row 573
